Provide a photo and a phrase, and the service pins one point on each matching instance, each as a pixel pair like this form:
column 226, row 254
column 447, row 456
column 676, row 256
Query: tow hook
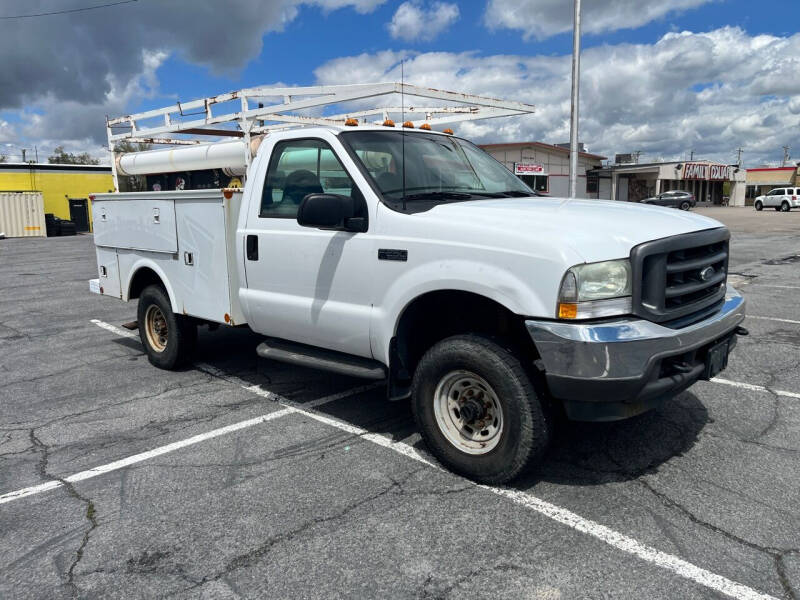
column 741, row 331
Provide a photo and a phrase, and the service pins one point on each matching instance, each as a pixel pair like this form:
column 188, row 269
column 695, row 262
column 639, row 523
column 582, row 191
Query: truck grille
column 680, row 279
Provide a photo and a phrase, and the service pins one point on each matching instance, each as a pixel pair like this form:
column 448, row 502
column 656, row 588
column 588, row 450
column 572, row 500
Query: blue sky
column 315, row 35
column 662, row 78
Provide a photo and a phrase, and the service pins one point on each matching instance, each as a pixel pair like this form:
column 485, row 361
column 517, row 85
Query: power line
column 64, row 12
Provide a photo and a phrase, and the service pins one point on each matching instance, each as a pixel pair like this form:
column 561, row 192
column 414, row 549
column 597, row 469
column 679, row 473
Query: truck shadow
column 581, row 454
column 599, row 453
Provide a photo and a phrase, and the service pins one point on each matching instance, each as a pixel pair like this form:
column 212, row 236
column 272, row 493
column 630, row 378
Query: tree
column 124, row 146
column 3, row 158
column 131, row 183
column 60, row 156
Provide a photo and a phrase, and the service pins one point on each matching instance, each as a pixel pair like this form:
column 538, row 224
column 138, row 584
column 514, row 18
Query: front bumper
column 609, row 370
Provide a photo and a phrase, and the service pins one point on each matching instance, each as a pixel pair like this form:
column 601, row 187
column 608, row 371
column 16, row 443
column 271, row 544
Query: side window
column 778, row 192
column 298, row 168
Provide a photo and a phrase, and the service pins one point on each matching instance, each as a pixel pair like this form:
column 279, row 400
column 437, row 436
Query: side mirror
column 330, row 211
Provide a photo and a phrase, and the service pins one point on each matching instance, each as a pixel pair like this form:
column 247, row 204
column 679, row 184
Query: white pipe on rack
column 219, row 155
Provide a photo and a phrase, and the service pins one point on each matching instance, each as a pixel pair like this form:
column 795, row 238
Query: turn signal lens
column 408, row 124
column 388, row 123
column 448, row 131
column 425, row 126
column 567, row 310
column 351, row 122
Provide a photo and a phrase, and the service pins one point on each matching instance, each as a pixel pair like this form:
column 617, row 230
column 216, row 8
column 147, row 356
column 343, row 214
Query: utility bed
column 185, row 237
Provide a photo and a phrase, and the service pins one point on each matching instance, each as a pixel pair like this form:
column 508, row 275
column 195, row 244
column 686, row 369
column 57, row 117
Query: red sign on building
column 528, row 169
column 706, row 172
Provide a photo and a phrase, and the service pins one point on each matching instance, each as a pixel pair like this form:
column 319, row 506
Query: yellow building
column 65, row 188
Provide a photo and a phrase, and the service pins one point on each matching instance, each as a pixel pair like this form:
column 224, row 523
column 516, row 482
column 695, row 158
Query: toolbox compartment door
column 147, row 224
column 108, row 272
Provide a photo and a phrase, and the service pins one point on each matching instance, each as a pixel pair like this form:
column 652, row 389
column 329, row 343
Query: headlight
column 594, row 290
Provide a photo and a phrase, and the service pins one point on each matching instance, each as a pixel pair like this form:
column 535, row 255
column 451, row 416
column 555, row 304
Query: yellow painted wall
column 773, row 177
column 57, row 187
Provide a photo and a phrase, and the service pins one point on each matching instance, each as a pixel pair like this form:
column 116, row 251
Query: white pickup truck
column 414, row 256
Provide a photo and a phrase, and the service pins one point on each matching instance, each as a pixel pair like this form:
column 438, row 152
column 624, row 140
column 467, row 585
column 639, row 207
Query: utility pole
column 739, row 157
column 23, row 154
column 576, row 75
column 691, row 155
column 785, row 156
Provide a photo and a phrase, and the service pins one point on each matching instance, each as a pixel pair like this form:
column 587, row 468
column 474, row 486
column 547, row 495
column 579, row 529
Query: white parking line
column 774, row 319
column 573, row 520
column 289, row 408
column 755, row 388
column 566, row 517
column 782, row 287
column 136, row 458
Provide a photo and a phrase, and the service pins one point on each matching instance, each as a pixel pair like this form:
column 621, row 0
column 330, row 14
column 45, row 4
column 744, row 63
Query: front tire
column 685, row 205
column 477, row 409
column 168, row 339
column 759, row 206
column 785, row 206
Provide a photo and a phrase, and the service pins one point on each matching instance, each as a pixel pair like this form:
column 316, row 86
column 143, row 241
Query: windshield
column 437, row 168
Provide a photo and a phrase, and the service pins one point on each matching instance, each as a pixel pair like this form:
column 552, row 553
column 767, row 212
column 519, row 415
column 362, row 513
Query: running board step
column 318, row 358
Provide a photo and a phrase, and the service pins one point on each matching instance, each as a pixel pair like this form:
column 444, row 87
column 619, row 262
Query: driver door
column 305, row 284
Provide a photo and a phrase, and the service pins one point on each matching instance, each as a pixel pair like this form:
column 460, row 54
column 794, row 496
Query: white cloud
column 708, row 92
column 414, row 21
column 54, row 122
column 80, row 62
column 544, row 18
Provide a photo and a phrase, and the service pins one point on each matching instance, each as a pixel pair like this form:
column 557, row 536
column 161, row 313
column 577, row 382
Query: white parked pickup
column 415, row 257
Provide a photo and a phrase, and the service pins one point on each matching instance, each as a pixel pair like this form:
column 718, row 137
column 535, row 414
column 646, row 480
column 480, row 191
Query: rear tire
column 168, row 339
column 477, row 409
column 785, row 206
column 685, row 205
column 759, row 206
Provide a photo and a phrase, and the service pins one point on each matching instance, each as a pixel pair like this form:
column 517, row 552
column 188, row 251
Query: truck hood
column 594, row 229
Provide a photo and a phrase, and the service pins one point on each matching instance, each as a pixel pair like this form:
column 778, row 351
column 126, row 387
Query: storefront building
column 65, row 188
column 763, row 179
column 710, row 182
column 545, row 168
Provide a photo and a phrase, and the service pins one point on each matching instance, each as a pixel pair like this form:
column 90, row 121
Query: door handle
column 252, row 247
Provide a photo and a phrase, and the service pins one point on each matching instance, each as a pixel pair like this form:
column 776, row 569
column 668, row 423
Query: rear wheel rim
column 785, row 207
column 468, row 412
column 155, row 327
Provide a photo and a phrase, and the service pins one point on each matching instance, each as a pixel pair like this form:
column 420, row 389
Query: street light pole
column 576, row 75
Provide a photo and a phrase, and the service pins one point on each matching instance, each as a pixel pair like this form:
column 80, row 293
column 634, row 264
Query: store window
column 538, row 183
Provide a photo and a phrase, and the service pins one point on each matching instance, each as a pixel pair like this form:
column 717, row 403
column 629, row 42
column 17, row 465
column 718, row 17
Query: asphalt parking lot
column 244, row 478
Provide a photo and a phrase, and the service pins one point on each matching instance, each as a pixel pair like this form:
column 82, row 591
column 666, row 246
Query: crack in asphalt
column 251, row 557
column 775, row 553
column 90, row 514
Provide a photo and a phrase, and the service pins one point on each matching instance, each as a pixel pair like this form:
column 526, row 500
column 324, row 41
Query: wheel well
column 141, row 279
column 438, row 315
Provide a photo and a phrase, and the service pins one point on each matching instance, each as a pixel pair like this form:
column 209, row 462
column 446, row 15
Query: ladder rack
column 257, row 110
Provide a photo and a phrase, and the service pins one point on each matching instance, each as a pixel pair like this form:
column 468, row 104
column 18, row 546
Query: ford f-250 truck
column 414, row 256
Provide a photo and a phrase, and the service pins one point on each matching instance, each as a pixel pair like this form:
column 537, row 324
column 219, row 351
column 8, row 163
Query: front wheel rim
column 155, row 327
column 468, row 412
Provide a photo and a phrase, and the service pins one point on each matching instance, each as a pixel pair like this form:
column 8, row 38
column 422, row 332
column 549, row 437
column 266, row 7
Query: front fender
column 483, row 279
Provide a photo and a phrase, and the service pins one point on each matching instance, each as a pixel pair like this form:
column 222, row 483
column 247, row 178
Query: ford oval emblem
column 707, row 273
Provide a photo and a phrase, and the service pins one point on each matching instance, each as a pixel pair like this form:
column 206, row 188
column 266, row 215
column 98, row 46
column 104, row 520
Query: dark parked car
column 673, row 199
